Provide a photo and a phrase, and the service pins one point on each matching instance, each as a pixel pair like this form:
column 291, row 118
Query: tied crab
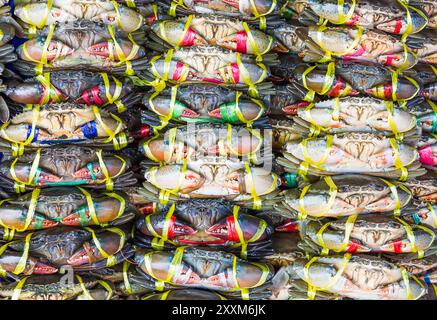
column 352, row 276
column 366, row 233
column 349, row 114
column 66, row 166
column 322, row 43
column 340, row 79
column 38, row 14
column 395, row 17
column 202, row 268
column 204, row 222
column 344, row 195
column 192, row 143
column 207, row 64
column 207, row 103
column 229, row 33
column 43, row 126
column 56, row 287
column 81, row 87
column 245, row 9
column 247, row 186
column 81, row 45
column 75, row 207
column 424, row 46
column 353, row 152
column 81, row 249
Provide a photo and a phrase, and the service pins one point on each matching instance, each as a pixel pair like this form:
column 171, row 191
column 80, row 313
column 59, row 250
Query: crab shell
column 201, row 268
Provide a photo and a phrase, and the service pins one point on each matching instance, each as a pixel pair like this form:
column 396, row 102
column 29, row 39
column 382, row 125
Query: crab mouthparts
column 42, row 268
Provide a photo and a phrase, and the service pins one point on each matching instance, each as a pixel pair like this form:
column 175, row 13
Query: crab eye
column 56, row 13
column 110, row 18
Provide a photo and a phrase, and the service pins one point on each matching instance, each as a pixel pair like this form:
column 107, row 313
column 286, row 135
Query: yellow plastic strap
column 329, row 78
column 30, row 210
column 348, row 51
column 259, row 232
column 411, row 238
column 111, row 134
column 130, row 3
column 32, row 30
column 17, row 290
column 253, row 43
column 246, row 76
column 307, row 157
column 397, row 160
column 110, row 259
column 50, row 90
column 120, row 53
column 158, row 243
column 334, row 280
column 108, row 179
column 332, row 195
column 126, row 266
column 43, row 61
column 407, row 283
column 117, row 91
column 433, row 214
column 256, row 12
column 32, row 171
column 394, row 191
column 119, row 20
column 176, row 261
column 35, row 118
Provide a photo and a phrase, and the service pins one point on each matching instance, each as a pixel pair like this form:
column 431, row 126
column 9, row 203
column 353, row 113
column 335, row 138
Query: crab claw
column 176, row 228
column 104, row 49
column 289, row 226
column 226, row 229
column 231, row 112
column 400, row 25
column 109, row 242
column 261, row 43
column 405, row 90
column 176, row 34
column 165, row 106
column 159, row 150
column 167, row 177
column 13, row 217
column 35, row 50
column 107, row 211
column 291, row 110
column 43, row 268
column 398, row 60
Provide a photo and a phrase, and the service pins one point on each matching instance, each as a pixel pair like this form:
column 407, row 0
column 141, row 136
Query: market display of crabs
column 218, row 149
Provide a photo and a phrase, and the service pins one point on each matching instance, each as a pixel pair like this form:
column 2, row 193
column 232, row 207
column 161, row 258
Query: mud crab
column 394, row 17
column 69, row 206
column 339, row 79
column 201, row 268
column 54, row 287
column 349, row 114
column 207, row 64
column 64, row 123
column 201, row 222
column 81, row 87
column 82, row 249
column 229, row 33
column 66, row 166
column 246, row 186
column 38, row 14
column 322, row 43
column 366, row 233
column 363, row 153
column 351, row 276
column 208, row 103
column 81, row 44
column 344, row 195
column 192, row 143
column 245, row 9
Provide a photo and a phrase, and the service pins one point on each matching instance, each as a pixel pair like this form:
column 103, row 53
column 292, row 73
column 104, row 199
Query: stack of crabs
column 220, row 149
